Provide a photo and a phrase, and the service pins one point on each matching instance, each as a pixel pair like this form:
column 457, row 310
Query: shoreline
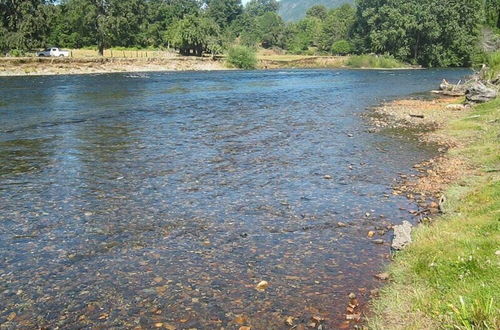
column 445, row 189
column 36, row 66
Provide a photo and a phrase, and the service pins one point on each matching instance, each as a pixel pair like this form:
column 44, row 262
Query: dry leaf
column 240, row 319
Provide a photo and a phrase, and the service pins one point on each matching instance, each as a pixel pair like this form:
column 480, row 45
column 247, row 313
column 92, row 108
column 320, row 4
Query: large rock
column 402, row 236
column 479, row 93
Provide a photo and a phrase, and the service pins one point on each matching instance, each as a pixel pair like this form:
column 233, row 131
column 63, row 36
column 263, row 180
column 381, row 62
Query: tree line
column 426, row 32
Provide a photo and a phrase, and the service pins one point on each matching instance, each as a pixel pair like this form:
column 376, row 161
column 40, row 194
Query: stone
column 262, row 286
column 456, row 107
column 382, row 276
column 402, row 235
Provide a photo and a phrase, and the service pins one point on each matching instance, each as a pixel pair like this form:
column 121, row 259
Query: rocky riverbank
column 446, row 277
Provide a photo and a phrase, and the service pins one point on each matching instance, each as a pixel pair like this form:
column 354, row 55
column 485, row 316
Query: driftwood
column 480, row 93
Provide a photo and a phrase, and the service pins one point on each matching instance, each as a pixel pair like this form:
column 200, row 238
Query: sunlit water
column 133, row 199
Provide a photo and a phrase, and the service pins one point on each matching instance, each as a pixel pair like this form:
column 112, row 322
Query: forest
column 432, row 33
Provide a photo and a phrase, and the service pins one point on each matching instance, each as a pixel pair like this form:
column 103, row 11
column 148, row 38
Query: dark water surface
column 133, row 199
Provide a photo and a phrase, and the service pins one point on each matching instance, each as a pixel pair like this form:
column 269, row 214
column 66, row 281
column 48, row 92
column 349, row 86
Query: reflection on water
column 132, row 200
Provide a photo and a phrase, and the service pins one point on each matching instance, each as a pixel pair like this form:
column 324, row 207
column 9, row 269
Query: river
column 162, row 199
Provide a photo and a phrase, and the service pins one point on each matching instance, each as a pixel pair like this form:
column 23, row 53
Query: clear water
column 132, row 199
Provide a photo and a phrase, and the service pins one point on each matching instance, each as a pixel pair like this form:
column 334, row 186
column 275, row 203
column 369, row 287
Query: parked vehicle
column 53, row 52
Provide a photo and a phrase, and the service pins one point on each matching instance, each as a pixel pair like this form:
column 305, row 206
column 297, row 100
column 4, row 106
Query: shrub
column 374, row 61
column 16, row 53
column 342, row 47
column 242, row 57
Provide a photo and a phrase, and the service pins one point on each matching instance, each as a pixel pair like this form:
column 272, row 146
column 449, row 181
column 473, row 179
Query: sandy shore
column 30, row 66
column 55, row 66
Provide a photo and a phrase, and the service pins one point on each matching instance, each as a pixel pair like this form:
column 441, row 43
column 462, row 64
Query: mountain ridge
column 294, row 10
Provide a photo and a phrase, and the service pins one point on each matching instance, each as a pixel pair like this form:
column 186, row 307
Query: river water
column 130, row 200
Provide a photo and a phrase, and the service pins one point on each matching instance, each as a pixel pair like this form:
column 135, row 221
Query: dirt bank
column 54, row 66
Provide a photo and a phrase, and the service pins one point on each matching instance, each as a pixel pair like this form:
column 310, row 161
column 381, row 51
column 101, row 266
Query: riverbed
column 162, row 199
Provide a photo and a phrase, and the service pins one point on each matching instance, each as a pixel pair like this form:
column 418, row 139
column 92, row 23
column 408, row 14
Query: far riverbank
column 35, row 66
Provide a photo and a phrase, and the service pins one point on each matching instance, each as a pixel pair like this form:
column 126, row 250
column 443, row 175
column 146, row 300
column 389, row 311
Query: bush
column 16, row 53
column 374, row 61
column 342, row 47
column 242, row 57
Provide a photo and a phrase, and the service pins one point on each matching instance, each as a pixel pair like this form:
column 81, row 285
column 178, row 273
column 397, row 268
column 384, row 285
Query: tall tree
column 260, row 7
column 223, row 12
column 24, row 24
column 337, row 26
column 105, row 23
column 428, row 32
column 193, row 35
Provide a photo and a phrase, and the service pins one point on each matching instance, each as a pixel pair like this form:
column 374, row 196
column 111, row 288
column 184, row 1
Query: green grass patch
column 449, row 277
column 374, row 62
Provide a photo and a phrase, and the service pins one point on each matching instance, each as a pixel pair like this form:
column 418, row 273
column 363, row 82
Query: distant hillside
column 293, row 10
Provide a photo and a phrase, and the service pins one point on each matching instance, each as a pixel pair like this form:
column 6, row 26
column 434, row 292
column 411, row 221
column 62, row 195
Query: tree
column 193, row 35
column 337, row 26
column 104, row 23
column 24, row 24
column 492, row 11
column 427, row 32
column 223, row 12
column 160, row 14
column 271, row 28
column 260, row 7
column 318, row 11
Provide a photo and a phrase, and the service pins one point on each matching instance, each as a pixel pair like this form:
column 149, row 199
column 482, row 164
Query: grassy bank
column 448, row 277
column 374, row 62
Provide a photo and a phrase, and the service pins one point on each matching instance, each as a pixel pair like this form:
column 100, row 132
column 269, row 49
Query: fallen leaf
column 289, row 321
column 240, row 319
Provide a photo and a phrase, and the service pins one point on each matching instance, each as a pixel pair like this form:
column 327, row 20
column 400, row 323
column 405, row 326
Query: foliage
column 223, row 12
column 295, row 10
column 449, row 275
column 242, row 57
column 260, row 7
column 342, row 47
column 24, row 25
column 193, row 35
column 492, row 13
column 337, row 26
column 427, row 32
column 374, row 61
column 317, row 11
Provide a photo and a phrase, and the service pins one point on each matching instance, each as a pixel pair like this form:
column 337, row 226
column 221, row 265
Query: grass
column 493, row 63
column 448, row 278
column 374, row 62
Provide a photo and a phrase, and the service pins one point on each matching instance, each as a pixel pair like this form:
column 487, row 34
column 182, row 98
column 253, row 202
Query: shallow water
column 132, row 199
